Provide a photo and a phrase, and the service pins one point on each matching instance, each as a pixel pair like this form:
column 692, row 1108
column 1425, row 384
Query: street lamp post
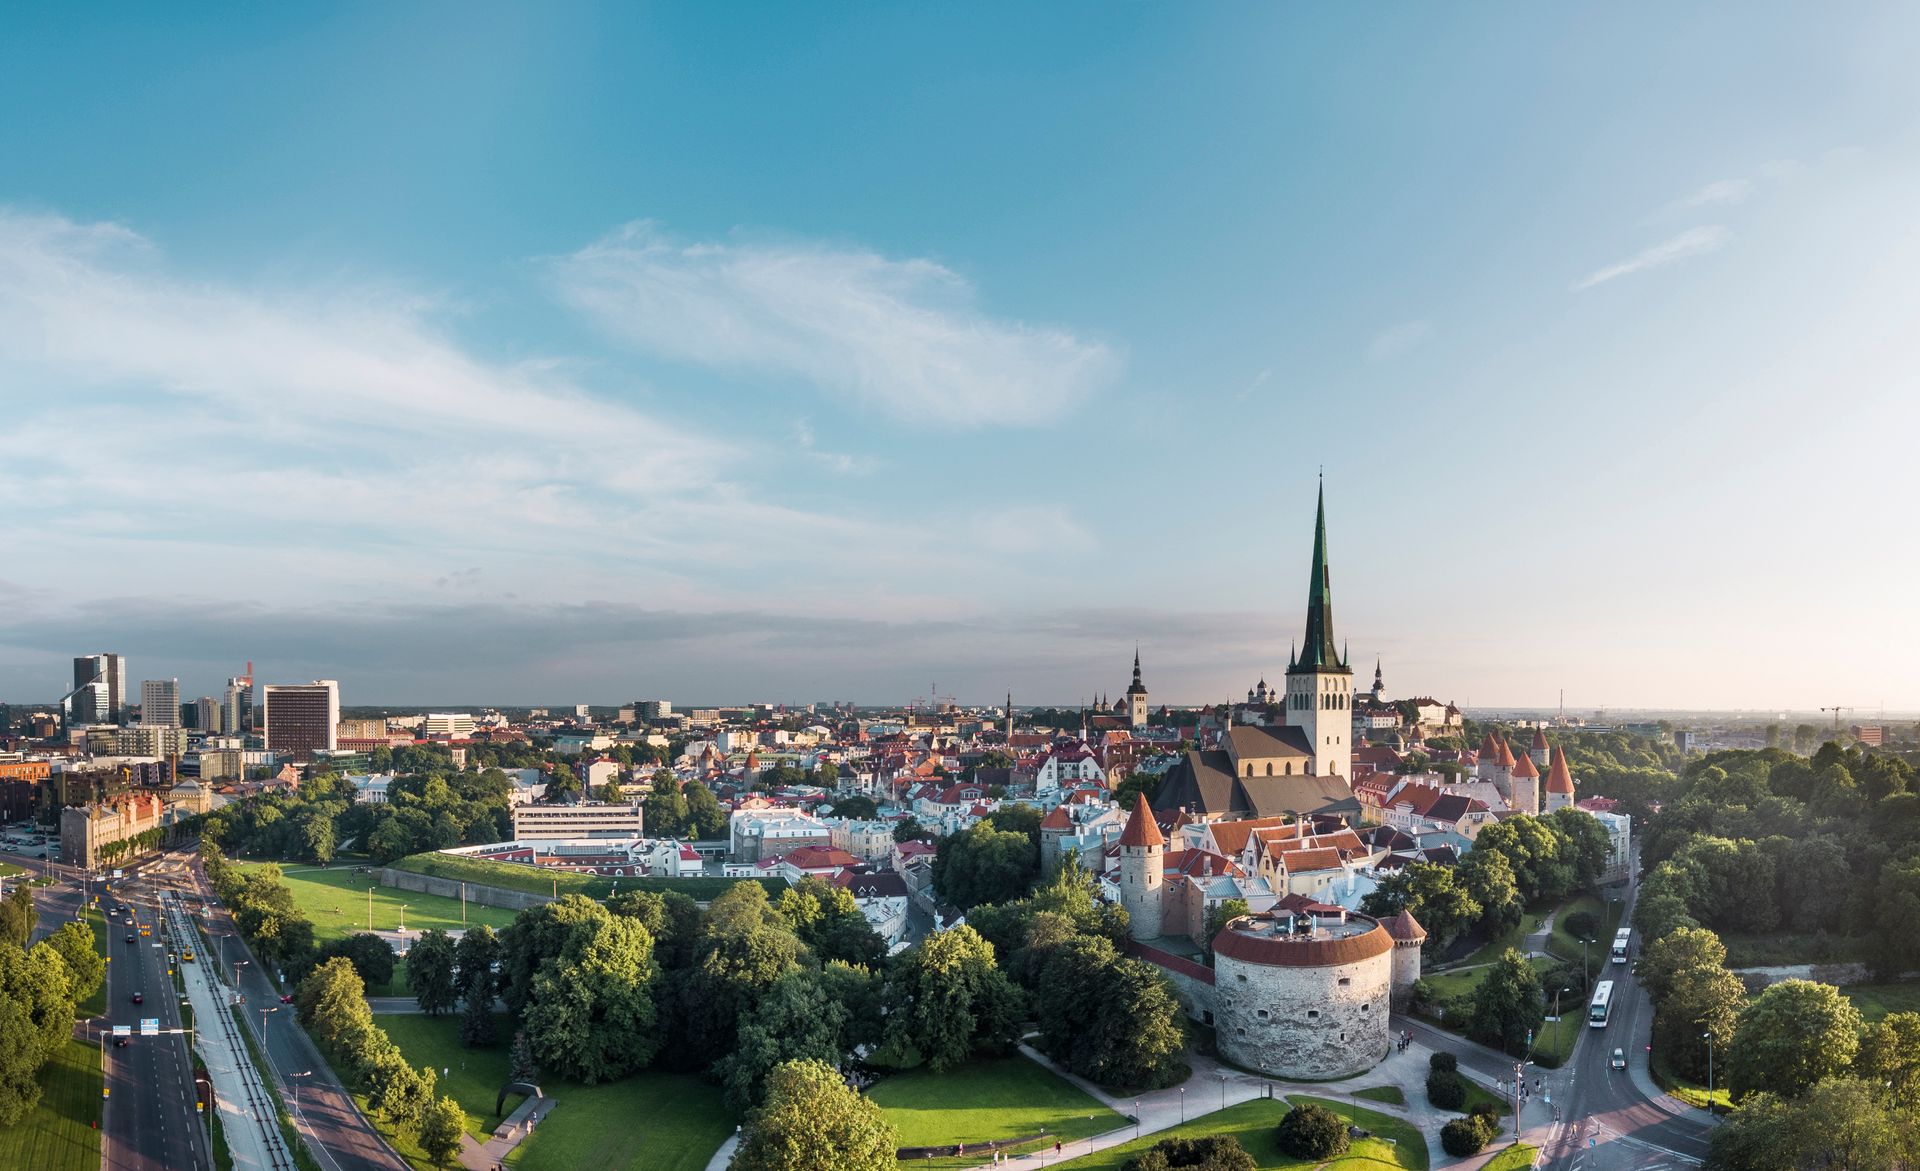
column 1586, row 976
column 1223, row 1091
column 296, row 1087
column 1708, row 1037
column 266, row 1018
column 1136, row 1116
column 1183, row 1103
column 1556, row 1017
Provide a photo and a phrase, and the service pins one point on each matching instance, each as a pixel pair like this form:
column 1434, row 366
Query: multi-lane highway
column 148, row 1120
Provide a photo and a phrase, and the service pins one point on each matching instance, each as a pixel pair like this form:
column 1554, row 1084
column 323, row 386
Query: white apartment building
column 755, row 834
column 458, row 725
column 590, row 820
column 869, row 841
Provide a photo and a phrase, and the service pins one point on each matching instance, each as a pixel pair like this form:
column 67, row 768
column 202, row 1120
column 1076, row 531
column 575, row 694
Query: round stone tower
column 1303, row 995
column 1142, row 871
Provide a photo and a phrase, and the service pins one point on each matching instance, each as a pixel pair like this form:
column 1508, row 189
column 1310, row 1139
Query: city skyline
column 647, row 354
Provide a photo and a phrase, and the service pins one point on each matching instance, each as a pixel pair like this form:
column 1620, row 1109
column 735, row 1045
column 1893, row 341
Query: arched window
column 1249, row 771
column 1269, row 768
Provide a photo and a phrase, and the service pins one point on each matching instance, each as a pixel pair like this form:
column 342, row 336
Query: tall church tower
column 1137, row 696
column 1319, row 681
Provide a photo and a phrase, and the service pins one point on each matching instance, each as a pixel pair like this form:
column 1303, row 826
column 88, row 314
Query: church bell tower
column 1319, row 681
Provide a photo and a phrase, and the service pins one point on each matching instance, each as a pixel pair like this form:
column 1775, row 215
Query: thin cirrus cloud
column 1690, row 243
column 1725, row 191
column 903, row 337
column 1389, row 344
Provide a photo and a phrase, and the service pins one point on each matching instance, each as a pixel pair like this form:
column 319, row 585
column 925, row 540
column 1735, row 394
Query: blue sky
column 516, row 353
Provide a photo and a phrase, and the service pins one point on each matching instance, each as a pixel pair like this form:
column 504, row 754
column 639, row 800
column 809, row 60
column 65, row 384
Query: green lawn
column 986, row 1101
column 1877, row 1000
column 1477, row 1093
column 1253, row 1124
column 1692, row 1093
column 1514, row 1158
column 544, row 881
column 649, row 1122
column 1388, row 1094
column 58, row 1134
column 96, row 1004
column 1562, row 942
column 336, row 901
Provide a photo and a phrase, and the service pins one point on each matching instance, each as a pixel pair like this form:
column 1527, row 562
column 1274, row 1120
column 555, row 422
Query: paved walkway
column 244, row 1108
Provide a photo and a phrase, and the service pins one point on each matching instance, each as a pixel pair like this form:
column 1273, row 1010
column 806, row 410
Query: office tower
column 160, row 703
column 99, row 689
column 206, row 714
column 301, row 719
column 236, row 715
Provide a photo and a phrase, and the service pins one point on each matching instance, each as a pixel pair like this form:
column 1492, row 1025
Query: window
column 1241, row 976
column 1262, row 1014
column 1365, row 1007
column 1269, row 768
column 1345, row 980
column 1313, row 1013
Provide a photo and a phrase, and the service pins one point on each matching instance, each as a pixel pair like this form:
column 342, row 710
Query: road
column 1609, row 1120
column 148, row 1121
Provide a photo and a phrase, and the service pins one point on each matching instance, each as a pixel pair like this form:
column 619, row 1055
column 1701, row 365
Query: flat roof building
column 301, row 718
column 590, row 820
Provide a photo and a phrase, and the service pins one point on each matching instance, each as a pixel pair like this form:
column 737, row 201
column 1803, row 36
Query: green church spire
column 1320, row 652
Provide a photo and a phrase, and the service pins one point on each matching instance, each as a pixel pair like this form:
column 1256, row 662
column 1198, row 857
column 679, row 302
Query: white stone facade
column 1308, row 1019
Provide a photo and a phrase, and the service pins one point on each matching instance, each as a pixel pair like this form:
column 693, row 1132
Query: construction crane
column 1836, row 714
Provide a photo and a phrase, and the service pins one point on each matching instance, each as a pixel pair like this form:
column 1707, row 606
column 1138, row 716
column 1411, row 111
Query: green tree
column 827, row 919
column 1702, row 1002
column 797, row 1019
column 332, row 1005
column 537, row 935
column 477, row 951
column 370, row 955
column 86, row 968
column 732, row 969
column 1434, row 895
column 1507, row 1005
column 36, row 1018
column 1896, row 938
column 811, row 1121
column 947, row 1000
column 430, row 976
column 440, row 1130
column 18, row 916
column 982, row 864
column 1793, row 1036
column 857, row 808
column 910, row 830
column 1662, row 961
column 1219, row 915
column 1312, row 1132
column 665, row 809
column 1890, row 1054
column 522, row 1065
column 1489, row 881
column 591, row 1016
column 706, row 821
column 477, row 1028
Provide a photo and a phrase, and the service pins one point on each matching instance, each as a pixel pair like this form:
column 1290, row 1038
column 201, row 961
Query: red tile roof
column 1141, row 830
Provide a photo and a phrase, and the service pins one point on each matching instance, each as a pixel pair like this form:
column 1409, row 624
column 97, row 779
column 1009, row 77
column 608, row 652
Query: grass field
column 1388, row 1094
column 58, row 1134
column 1692, row 1093
column 1562, row 942
column 96, row 1004
column 542, row 881
column 669, row 1122
column 1253, row 1124
column 1877, row 1000
column 1514, row 1158
column 336, row 901
column 986, row 1101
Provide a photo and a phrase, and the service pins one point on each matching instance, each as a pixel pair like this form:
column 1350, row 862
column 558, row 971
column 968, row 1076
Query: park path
column 492, row 1154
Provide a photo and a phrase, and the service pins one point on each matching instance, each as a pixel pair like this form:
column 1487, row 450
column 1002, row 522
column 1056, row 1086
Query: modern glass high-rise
column 160, row 703
column 99, row 689
column 237, row 712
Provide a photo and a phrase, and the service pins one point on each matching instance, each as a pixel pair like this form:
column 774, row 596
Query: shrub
column 1311, row 1131
column 1446, row 1090
column 1463, row 1137
column 1220, row 1152
column 1446, row 1061
column 1583, row 925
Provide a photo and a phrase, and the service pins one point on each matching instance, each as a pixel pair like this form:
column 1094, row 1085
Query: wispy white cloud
column 1725, row 191
column 904, row 337
column 1391, row 343
column 845, row 463
column 1692, row 242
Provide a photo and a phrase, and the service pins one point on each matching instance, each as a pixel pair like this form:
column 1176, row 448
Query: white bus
column 1620, row 941
column 1602, row 1005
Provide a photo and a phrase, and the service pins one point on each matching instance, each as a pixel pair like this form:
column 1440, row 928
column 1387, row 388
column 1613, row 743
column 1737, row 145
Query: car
column 131, row 937
column 119, row 1042
column 1619, row 1059
column 287, row 999
column 139, row 999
